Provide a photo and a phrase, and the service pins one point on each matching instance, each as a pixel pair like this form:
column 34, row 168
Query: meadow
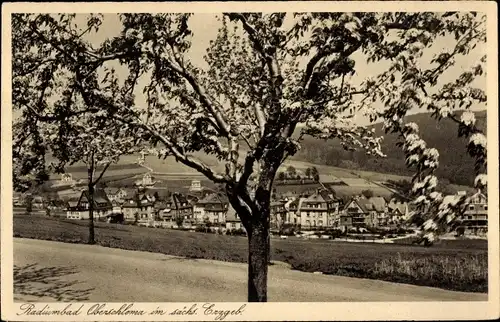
column 453, row 265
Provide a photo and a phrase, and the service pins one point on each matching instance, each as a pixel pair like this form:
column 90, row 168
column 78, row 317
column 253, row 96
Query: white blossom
column 436, row 196
column 413, row 127
column 295, row 106
column 468, row 118
column 431, row 153
column 481, row 180
column 414, row 143
column 478, row 139
column 443, row 212
column 413, row 158
column 426, row 101
column 430, row 182
column 421, row 200
column 444, row 111
column 431, row 164
column 417, row 186
column 411, row 33
column 429, row 225
column 429, row 236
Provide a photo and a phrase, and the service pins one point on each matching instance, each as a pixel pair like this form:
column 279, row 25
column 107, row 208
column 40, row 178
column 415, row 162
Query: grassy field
column 449, row 265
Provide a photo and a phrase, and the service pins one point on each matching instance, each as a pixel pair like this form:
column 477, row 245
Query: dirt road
column 48, row 271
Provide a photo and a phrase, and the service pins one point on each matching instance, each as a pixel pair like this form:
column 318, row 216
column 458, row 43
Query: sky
column 205, row 27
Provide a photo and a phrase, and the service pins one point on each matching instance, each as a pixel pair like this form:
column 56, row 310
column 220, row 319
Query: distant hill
column 456, row 166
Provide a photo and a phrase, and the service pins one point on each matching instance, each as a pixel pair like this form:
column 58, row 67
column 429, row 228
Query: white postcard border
column 266, row 311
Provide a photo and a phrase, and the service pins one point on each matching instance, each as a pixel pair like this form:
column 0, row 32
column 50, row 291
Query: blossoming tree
column 271, row 79
column 55, row 119
column 91, row 140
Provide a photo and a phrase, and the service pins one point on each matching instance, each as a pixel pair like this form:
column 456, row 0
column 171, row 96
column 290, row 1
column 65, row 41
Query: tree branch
column 102, row 173
column 184, row 159
column 244, row 212
column 252, row 33
column 311, row 65
column 247, row 169
column 261, row 119
column 53, row 117
column 212, row 107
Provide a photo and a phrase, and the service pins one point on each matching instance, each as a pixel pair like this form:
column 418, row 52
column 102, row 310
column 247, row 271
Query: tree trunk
column 91, row 206
column 259, row 238
column 258, row 249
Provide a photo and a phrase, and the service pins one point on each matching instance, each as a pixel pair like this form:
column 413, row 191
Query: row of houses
column 153, row 208
column 313, row 206
column 318, row 210
column 323, row 210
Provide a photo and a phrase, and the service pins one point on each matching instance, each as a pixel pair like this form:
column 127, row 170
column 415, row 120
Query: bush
column 288, row 231
column 336, row 234
column 202, row 229
column 236, row 232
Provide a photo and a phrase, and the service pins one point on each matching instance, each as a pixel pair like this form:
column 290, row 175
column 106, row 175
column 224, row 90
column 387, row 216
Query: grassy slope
column 172, row 167
column 448, row 265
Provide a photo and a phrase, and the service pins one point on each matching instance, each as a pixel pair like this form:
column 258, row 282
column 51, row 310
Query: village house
column 177, row 206
column 130, row 209
column 211, row 209
column 80, row 209
column 116, row 212
column 158, row 207
column 232, row 220
column 66, row 180
column 363, row 212
column 319, row 210
column 146, row 208
column 474, row 220
column 195, row 185
column 277, row 214
column 146, row 181
column 378, row 207
column 116, row 194
column 292, row 207
column 397, row 212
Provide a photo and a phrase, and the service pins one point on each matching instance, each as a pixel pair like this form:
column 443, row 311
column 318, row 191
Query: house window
column 320, row 222
column 485, row 207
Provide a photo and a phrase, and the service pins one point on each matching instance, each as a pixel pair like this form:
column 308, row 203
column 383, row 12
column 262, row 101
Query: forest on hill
column 455, row 167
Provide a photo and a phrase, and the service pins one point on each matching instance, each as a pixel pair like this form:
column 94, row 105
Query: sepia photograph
column 244, row 153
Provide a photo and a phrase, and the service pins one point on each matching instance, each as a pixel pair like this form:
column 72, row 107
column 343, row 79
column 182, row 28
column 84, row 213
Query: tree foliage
column 367, row 193
column 268, row 76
